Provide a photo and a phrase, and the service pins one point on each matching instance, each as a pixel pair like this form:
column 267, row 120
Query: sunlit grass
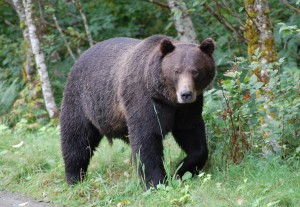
column 36, row 168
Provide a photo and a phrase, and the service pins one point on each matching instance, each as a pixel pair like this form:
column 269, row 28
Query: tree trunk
column 183, row 22
column 40, row 61
column 28, row 66
column 259, row 33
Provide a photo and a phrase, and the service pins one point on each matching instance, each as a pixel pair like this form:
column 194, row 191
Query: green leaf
column 230, row 74
column 3, row 152
column 273, row 203
column 168, row 25
column 191, row 10
column 252, row 92
column 257, row 54
column 253, row 79
column 187, row 176
column 177, row 14
column 3, row 127
column 258, row 85
column 197, row 2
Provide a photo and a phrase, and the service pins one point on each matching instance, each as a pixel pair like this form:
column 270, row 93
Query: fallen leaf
column 24, row 204
column 122, row 203
column 126, row 174
column 18, row 145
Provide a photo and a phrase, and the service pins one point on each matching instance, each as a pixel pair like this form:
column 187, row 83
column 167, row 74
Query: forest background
column 252, row 111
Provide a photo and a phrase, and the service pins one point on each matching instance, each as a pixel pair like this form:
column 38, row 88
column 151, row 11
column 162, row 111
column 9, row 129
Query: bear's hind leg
column 79, row 138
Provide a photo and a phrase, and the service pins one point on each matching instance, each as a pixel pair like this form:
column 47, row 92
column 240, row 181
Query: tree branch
column 227, row 25
column 67, row 32
column 84, row 20
column 159, row 3
column 291, row 7
column 63, row 37
column 232, row 13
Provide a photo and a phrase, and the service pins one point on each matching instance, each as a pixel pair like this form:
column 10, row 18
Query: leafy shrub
column 244, row 113
column 10, row 75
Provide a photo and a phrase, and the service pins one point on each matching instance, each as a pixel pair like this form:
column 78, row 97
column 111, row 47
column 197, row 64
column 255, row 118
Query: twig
column 232, row 13
column 86, row 26
column 63, row 37
column 41, row 9
column 291, row 7
column 234, row 150
column 242, row 133
column 159, row 3
column 224, row 22
column 67, row 32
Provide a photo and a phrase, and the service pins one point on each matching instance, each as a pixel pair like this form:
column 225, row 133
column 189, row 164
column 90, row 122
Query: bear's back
column 97, row 63
column 105, row 52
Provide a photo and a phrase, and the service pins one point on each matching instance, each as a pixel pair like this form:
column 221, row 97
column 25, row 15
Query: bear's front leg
column 147, row 152
column 193, row 142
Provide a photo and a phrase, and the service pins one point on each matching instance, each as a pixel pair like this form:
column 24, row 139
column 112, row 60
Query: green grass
column 36, row 169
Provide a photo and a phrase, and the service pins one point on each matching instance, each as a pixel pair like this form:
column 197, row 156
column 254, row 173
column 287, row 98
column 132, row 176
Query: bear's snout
column 186, row 96
column 185, row 89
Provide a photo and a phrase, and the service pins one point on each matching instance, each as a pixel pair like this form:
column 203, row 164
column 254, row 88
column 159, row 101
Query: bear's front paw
column 73, row 179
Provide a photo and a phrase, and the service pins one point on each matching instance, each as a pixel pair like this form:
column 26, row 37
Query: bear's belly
column 116, row 130
column 113, row 123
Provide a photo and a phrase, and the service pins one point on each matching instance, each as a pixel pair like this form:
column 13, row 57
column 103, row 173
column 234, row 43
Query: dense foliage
column 248, row 114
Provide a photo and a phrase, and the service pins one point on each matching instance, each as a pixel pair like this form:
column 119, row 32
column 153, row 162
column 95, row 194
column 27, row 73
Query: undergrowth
column 31, row 164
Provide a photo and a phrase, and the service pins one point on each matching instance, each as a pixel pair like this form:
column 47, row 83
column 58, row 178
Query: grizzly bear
column 137, row 90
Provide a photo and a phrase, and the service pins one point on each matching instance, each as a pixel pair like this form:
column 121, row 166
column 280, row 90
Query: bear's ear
column 166, row 47
column 208, row 46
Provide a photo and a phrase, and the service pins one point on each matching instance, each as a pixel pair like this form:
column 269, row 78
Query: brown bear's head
column 187, row 68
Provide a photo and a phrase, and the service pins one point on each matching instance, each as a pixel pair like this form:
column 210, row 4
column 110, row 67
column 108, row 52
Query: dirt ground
column 8, row 199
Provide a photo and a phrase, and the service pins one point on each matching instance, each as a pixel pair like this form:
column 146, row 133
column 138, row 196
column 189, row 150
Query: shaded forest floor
column 31, row 164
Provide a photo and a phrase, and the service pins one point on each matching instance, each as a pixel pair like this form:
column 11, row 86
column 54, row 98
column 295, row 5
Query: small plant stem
column 63, row 37
column 233, row 137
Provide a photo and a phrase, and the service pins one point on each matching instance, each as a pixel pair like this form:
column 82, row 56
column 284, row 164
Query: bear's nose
column 186, row 96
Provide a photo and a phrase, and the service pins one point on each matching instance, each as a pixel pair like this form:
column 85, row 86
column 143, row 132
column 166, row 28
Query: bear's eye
column 177, row 72
column 195, row 72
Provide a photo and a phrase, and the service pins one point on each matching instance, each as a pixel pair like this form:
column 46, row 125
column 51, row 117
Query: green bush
column 244, row 113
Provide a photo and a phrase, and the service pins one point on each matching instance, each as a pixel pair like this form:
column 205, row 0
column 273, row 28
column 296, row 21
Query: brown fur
column 125, row 86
